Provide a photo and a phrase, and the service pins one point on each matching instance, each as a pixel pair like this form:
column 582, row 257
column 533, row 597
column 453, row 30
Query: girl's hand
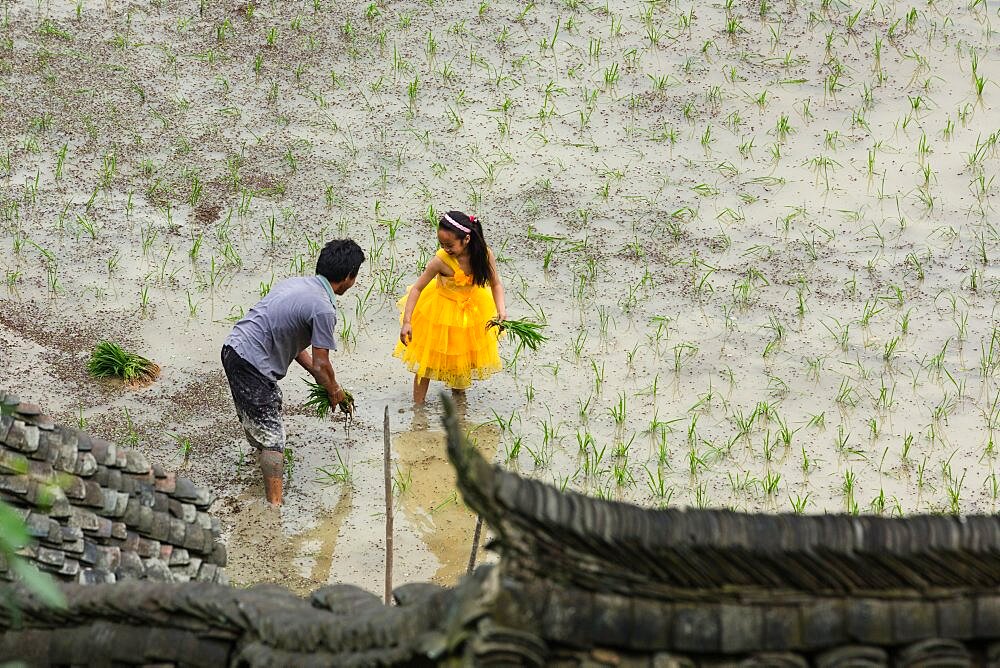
column 406, row 334
column 501, row 315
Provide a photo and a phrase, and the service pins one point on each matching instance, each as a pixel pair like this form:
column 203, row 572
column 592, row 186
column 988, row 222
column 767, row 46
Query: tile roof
column 98, row 512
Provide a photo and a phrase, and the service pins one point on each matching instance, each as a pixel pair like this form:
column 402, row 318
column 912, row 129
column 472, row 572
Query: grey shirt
column 296, row 313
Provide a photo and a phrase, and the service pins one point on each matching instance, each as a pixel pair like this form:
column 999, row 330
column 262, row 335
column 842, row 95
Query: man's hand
column 322, row 371
column 337, row 396
column 343, row 400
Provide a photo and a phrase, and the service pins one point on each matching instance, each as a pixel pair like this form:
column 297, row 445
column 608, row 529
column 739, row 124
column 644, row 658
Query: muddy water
column 763, row 243
column 329, row 529
column 430, row 503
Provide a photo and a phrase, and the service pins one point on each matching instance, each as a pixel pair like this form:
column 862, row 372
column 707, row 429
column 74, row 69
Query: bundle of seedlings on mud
column 319, row 400
column 528, row 334
column 110, row 360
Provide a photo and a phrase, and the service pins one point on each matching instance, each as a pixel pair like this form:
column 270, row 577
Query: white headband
column 461, row 228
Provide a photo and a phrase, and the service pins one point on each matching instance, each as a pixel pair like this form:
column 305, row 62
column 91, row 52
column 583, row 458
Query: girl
column 443, row 334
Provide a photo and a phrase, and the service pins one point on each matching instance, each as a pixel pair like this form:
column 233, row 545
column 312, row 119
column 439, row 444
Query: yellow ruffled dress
column 450, row 340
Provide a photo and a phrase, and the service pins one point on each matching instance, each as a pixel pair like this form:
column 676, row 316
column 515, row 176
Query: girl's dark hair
column 479, row 257
column 340, row 259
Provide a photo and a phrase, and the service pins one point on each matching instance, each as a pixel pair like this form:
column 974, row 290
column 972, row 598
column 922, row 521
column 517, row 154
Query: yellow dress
column 450, row 340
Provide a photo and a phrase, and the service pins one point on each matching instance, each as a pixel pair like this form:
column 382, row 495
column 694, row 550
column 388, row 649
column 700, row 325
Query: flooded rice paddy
column 762, row 235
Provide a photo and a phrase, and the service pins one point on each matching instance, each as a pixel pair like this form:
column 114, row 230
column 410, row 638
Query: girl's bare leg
column 419, row 419
column 420, row 386
column 461, row 403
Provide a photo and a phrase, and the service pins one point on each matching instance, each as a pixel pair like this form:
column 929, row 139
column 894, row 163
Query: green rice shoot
column 319, row 400
column 110, row 360
column 528, row 334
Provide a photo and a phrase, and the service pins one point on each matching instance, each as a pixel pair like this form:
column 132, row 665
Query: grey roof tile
column 98, row 512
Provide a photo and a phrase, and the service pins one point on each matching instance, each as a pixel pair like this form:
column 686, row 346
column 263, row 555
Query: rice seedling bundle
column 319, row 400
column 527, row 334
column 110, row 360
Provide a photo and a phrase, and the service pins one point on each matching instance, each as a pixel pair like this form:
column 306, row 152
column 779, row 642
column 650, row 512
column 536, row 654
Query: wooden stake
column 388, row 510
column 475, row 543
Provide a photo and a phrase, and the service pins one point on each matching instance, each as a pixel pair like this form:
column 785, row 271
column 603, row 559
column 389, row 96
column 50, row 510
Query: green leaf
column 13, row 535
column 40, row 584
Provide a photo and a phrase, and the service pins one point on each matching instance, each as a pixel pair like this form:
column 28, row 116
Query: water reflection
column 321, row 540
column 431, row 501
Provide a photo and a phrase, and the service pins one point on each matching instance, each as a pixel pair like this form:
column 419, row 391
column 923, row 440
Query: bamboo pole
column 388, row 509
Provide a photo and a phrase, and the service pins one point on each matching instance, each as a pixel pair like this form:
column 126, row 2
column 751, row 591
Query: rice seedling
column 657, row 485
column 550, row 432
column 52, row 278
column 132, row 437
column 771, row 482
column 540, row 455
column 338, row 473
column 110, row 360
column 512, row 451
column 11, row 278
column 618, row 411
column 578, row 343
column 87, row 225
column 784, row 435
column 799, row 503
column 319, row 401
column 782, row 128
column 682, row 351
column 192, row 305
column 701, row 499
column 921, row 473
column 993, row 488
column 847, row 487
column 807, row 464
column 184, row 447
column 528, row 334
column 904, row 455
column 402, row 481
column 869, row 311
column 622, row 475
column 953, row 487
column 843, row 438
column 696, row 461
column 348, row 334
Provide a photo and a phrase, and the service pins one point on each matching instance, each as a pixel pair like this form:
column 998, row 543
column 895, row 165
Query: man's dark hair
column 339, row 259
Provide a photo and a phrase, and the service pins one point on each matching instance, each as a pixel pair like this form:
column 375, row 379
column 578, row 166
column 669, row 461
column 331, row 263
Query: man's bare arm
column 305, row 360
column 322, row 370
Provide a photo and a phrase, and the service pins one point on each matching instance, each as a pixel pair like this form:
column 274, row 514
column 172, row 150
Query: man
column 297, row 313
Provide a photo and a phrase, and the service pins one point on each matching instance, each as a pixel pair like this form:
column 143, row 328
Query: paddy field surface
column 761, row 235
